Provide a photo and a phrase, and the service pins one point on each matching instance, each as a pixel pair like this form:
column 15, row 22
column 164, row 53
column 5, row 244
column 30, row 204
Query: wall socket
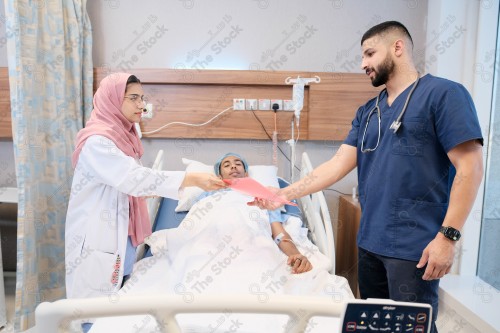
column 264, row 104
column 238, row 104
column 287, row 105
column 149, row 113
column 251, row 104
column 279, row 102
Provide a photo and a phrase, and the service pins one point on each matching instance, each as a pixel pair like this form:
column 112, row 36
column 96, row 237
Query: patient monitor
column 382, row 315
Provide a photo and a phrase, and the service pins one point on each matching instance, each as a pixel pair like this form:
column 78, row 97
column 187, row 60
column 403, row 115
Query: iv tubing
column 275, row 143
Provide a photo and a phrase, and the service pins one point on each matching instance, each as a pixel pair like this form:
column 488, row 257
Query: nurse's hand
column 205, row 181
column 438, row 255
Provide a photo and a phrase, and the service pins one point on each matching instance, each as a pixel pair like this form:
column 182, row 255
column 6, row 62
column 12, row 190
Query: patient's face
column 232, row 167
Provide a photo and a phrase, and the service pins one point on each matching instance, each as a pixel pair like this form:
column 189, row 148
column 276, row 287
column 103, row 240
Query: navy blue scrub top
column 404, row 184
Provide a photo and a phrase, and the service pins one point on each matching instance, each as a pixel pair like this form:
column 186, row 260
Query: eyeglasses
column 136, row 99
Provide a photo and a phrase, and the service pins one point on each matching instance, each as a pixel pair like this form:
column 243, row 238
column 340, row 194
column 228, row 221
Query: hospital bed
column 291, row 313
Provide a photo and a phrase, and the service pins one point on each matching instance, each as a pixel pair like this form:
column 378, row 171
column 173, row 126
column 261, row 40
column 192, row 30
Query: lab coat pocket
column 101, row 271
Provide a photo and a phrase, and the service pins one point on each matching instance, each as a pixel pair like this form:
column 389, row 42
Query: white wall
column 163, row 34
column 3, row 37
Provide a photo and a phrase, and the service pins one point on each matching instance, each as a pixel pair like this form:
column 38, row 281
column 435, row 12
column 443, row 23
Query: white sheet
column 224, row 246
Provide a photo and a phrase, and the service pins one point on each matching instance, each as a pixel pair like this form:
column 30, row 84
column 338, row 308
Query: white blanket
column 224, row 246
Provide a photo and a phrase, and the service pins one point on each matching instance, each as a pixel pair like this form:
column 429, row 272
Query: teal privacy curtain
column 50, row 72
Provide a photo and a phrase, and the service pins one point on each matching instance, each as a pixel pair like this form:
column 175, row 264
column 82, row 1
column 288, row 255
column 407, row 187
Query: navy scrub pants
column 396, row 279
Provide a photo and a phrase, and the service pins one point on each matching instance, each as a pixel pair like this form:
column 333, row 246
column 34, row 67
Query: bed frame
column 314, row 208
column 60, row 316
column 57, row 316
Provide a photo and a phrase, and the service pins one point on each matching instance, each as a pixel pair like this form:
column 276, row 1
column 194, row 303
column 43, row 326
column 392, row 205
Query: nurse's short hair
column 386, row 27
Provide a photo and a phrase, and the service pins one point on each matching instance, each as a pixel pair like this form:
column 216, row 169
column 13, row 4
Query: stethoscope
column 395, row 124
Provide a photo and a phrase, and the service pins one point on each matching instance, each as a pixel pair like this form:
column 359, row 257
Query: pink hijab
column 108, row 120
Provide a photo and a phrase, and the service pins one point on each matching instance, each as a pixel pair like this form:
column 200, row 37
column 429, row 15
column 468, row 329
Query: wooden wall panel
column 195, row 96
column 198, row 95
column 334, row 102
column 5, row 121
column 199, row 103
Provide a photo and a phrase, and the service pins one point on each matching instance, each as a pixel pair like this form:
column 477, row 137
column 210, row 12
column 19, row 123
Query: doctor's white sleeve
column 109, row 165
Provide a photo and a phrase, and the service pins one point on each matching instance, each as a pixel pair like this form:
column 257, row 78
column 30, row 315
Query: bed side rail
column 57, row 316
column 318, row 217
column 152, row 203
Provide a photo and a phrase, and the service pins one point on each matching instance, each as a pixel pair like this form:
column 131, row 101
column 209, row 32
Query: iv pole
column 298, row 103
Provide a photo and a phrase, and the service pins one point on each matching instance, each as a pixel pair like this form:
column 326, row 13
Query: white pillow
column 264, row 174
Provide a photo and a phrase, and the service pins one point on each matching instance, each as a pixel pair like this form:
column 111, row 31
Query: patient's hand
column 299, row 263
column 265, row 204
column 206, row 181
column 268, row 204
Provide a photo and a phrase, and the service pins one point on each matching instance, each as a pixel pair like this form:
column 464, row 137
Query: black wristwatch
column 450, row 233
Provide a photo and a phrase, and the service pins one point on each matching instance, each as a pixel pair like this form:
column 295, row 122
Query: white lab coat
column 98, row 214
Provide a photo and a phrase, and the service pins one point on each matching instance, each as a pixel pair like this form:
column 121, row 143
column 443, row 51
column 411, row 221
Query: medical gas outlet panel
column 251, row 104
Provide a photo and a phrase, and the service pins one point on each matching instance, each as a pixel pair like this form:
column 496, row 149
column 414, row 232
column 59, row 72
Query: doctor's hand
column 438, row 255
column 205, row 181
column 268, row 204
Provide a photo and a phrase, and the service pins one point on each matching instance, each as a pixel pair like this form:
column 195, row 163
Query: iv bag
column 298, row 98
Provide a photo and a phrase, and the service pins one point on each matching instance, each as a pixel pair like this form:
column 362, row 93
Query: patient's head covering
column 218, row 163
column 107, row 120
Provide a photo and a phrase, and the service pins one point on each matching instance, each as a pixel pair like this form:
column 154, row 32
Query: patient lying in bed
column 224, row 246
column 234, row 166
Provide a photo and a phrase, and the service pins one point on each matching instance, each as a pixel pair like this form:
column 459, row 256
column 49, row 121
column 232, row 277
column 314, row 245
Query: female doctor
column 107, row 216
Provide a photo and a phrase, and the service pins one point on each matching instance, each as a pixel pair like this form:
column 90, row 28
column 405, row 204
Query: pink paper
column 253, row 188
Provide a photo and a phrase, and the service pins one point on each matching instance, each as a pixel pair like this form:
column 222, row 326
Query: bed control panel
column 386, row 316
